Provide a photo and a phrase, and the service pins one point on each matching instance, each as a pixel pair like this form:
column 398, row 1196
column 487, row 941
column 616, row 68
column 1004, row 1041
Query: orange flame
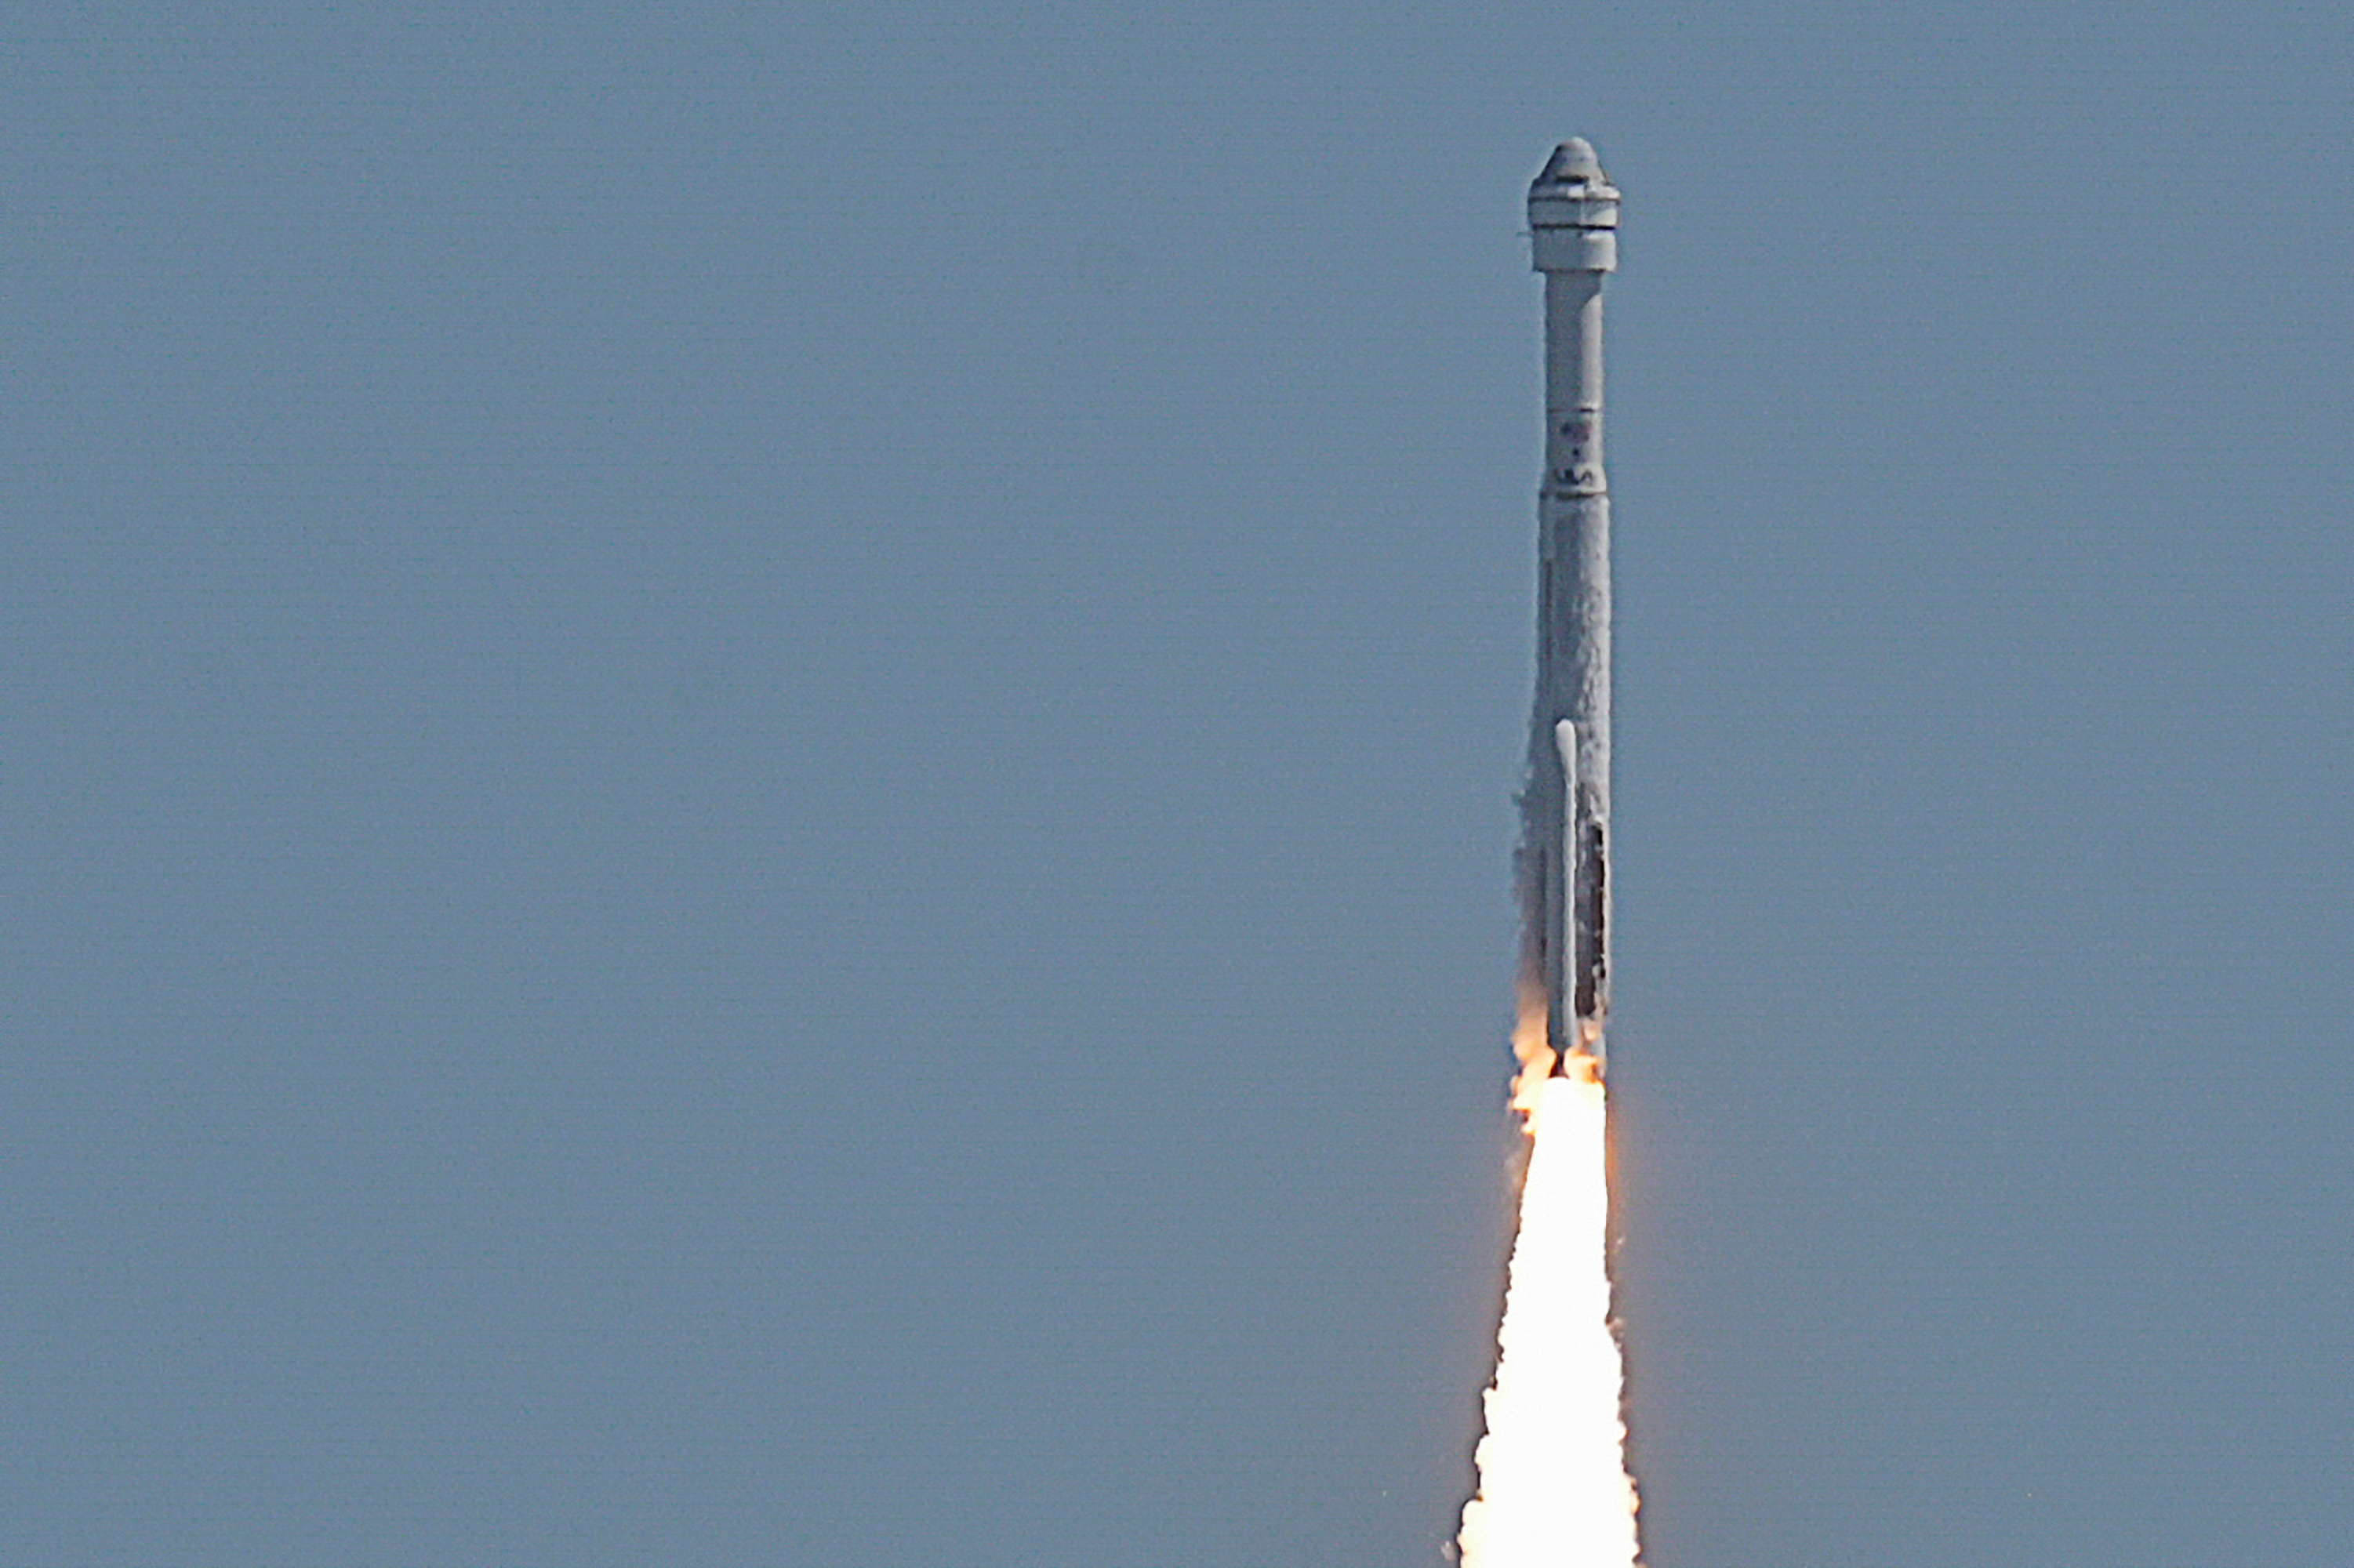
column 1531, row 1050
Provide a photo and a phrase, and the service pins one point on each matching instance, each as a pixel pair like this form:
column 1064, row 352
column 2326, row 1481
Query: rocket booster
column 1563, row 861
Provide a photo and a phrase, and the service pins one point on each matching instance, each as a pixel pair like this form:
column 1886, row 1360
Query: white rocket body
column 1566, row 805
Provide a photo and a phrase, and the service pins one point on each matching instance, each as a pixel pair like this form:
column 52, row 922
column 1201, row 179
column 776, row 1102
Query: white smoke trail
column 1553, row 1487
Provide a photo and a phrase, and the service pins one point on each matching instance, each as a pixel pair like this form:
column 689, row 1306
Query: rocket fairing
column 1564, row 859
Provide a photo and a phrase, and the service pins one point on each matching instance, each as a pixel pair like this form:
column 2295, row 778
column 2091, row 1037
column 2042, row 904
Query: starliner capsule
column 1564, row 855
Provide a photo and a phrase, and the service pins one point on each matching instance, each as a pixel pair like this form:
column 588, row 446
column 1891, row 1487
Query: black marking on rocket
column 1593, row 955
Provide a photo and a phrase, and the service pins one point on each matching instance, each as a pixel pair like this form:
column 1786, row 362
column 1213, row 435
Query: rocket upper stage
column 1564, row 860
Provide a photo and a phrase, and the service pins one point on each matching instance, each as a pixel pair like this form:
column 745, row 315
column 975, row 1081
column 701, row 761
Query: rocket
column 1563, row 863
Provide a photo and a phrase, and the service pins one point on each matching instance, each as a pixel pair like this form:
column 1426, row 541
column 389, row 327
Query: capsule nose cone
column 1573, row 213
column 1573, row 160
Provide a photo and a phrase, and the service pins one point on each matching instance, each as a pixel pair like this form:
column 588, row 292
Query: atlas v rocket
column 1564, row 854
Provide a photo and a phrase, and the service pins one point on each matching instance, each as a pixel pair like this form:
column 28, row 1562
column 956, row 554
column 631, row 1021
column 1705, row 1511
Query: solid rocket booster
column 1565, row 852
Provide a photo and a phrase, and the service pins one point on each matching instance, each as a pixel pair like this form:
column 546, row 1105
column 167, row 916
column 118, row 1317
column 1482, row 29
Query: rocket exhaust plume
column 1555, row 1490
column 1553, row 1487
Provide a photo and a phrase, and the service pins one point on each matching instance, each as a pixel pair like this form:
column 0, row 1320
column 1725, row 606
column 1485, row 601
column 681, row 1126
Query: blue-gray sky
column 759, row 763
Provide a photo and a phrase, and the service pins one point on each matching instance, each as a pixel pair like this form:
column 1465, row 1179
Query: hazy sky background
column 758, row 770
